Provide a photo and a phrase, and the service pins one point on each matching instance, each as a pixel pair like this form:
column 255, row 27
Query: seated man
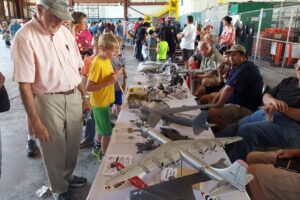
column 270, row 182
column 211, row 60
column 208, row 93
column 242, row 92
column 278, row 124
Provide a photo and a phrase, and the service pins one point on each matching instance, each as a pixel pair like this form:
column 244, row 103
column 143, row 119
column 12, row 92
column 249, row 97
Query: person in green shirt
column 162, row 49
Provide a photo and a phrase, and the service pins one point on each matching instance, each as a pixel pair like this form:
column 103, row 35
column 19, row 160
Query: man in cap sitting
column 242, row 92
column 46, row 61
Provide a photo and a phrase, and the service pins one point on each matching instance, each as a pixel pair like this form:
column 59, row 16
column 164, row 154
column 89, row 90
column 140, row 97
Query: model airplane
column 199, row 123
column 231, row 178
column 192, row 71
column 179, row 188
column 146, row 146
column 156, row 67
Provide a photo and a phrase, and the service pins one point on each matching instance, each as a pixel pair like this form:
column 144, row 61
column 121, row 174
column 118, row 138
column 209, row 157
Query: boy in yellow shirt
column 101, row 85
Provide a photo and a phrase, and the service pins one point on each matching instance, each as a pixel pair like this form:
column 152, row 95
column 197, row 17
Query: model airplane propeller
column 231, row 178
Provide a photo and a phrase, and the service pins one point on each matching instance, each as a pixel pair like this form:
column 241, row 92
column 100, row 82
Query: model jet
column 156, row 67
column 179, row 188
column 192, row 71
column 199, row 123
column 170, row 152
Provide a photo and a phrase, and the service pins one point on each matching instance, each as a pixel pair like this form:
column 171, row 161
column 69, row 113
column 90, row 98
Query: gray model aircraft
column 192, row 71
column 199, row 123
column 156, row 67
column 170, row 152
column 176, row 188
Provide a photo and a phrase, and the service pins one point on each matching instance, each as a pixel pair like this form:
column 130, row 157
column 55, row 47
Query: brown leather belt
column 65, row 93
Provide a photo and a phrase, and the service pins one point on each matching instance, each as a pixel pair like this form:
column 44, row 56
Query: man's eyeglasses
column 296, row 66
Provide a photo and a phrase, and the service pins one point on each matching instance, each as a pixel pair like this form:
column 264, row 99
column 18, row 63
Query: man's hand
column 279, row 105
column 269, row 110
column 287, row 153
column 40, row 131
column 179, row 36
column 86, row 104
column 2, row 80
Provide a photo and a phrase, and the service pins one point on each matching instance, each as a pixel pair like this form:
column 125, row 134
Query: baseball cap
column 140, row 19
column 60, row 8
column 237, row 48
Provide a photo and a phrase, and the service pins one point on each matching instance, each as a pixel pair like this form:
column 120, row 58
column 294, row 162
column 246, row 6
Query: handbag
column 4, row 100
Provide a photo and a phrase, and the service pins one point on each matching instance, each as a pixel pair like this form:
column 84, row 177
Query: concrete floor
column 22, row 176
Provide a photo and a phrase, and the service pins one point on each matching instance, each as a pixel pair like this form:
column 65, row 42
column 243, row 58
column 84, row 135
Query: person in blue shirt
column 13, row 28
column 277, row 124
column 94, row 29
column 242, row 93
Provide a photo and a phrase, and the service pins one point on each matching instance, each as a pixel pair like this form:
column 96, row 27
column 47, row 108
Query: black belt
column 65, row 93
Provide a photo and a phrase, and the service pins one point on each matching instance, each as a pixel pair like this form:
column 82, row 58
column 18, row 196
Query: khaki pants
column 231, row 113
column 62, row 115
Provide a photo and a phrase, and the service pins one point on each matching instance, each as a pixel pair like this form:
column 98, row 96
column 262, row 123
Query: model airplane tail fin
column 236, row 175
column 199, row 123
column 224, row 187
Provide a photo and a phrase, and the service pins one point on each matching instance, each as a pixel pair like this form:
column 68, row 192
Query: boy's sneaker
column 97, row 152
column 31, row 148
column 78, row 182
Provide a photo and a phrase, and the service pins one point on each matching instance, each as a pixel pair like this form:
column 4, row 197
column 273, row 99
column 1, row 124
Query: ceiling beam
column 97, row 1
column 121, row 1
column 147, row 3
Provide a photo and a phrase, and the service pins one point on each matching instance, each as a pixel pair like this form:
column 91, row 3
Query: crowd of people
column 242, row 106
column 50, row 49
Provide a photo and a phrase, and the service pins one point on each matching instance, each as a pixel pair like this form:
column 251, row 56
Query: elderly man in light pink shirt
column 46, row 61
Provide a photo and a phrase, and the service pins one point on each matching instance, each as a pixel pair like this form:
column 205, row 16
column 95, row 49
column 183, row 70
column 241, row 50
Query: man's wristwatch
column 86, row 96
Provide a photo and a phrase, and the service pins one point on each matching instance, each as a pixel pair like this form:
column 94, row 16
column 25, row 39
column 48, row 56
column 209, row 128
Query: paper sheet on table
column 122, row 136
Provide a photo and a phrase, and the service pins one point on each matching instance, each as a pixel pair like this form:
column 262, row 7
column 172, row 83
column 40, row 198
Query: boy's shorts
column 102, row 120
column 118, row 97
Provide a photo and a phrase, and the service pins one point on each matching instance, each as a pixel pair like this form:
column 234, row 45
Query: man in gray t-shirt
column 211, row 62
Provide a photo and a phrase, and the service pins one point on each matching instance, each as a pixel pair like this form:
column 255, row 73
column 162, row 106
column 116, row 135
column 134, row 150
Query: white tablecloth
column 98, row 191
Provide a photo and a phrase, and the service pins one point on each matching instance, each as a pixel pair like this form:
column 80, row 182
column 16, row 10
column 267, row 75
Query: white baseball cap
column 60, row 8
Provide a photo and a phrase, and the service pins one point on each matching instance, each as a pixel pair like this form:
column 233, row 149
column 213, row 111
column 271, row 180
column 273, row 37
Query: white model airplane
column 193, row 71
column 231, row 178
column 155, row 67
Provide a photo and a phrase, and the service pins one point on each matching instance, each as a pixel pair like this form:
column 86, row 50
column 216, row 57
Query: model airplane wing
column 158, row 158
column 203, row 145
column 179, row 188
column 199, row 123
column 167, row 111
column 153, row 118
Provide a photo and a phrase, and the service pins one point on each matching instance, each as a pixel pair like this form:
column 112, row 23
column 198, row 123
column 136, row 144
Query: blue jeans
column 90, row 129
column 283, row 132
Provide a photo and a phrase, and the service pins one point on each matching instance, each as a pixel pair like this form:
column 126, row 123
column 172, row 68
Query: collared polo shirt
column 49, row 62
